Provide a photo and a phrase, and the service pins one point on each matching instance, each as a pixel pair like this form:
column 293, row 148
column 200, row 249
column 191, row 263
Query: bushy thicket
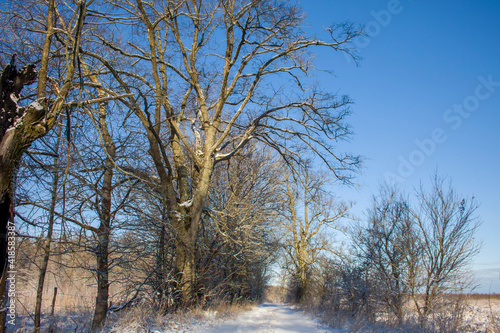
column 408, row 265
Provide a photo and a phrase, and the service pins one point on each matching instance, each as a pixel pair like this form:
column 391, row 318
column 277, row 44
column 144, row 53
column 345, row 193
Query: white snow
column 18, row 122
column 271, row 317
column 187, row 204
column 14, row 98
column 37, row 106
column 221, row 156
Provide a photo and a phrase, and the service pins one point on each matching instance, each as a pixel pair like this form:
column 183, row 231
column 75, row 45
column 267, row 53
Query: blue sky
column 427, row 92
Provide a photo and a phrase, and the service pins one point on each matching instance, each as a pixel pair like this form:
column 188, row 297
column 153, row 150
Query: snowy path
column 271, row 317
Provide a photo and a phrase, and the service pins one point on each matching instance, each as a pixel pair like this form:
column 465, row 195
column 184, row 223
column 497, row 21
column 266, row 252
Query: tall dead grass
column 453, row 314
column 143, row 318
column 71, row 273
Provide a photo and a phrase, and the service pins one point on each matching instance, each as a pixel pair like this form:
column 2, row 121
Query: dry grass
column 76, row 288
column 144, row 318
column 493, row 297
column 76, row 292
column 454, row 313
column 489, row 305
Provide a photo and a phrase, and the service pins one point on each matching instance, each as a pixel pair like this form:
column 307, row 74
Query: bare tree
column 390, row 248
column 208, row 78
column 447, row 225
column 103, row 204
column 238, row 241
column 309, row 212
column 98, row 193
column 420, row 250
column 21, row 125
column 39, row 184
column 56, row 184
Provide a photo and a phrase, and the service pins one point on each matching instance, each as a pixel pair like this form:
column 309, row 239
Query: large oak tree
column 207, row 77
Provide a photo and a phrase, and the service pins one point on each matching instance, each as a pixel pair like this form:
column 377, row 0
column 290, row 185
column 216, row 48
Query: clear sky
column 427, row 97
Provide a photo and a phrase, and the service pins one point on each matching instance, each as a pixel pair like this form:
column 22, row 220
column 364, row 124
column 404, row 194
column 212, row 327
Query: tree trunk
column 302, row 263
column 48, row 241
column 188, row 225
column 302, row 284
column 101, row 305
column 104, row 231
column 45, row 262
column 13, row 141
column 161, row 269
column 103, row 235
column 20, row 126
column 186, row 270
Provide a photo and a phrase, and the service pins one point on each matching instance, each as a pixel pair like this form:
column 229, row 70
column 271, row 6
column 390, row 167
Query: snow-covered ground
column 271, row 317
column 482, row 316
column 479, row 316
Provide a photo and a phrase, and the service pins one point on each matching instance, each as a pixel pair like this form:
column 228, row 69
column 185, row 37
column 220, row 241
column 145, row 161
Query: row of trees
column 408, row 254
column 233, row 249
column 422, row 251
column 309, row 216
column 152, row 119
column 176, row 142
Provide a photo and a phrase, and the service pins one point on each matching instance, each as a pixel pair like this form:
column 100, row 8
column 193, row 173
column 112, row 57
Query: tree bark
column 12, row 145
column 103, row 235
column 163, row 284
column 104, row 231
column 20, row 126
column 101, row 305
column 160, row 268
column 188, row 225
column 302, row 280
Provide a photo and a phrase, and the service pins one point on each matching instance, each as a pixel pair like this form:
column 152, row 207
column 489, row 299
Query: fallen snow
column 270, row 317
column 482, row 316
column 177, row 214
column 187, row 204
column 37, row 106
column 14, row 98
column 221, row 156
